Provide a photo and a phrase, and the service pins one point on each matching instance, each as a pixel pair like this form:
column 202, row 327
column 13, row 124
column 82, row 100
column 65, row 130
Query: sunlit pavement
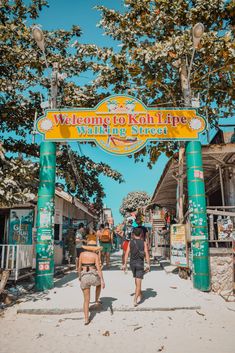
column 169, row 319
column 161, row 291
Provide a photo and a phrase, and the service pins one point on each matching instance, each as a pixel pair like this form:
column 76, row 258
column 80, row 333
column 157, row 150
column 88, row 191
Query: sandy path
column 209, row 329
column 171, row 332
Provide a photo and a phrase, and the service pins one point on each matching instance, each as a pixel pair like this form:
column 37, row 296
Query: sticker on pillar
column 200, row 237
column 121, row 124
column 199, row 247
column 45, row 234
column 44, row 266
column 198, row 174
column 45, row 251
column 45, row 218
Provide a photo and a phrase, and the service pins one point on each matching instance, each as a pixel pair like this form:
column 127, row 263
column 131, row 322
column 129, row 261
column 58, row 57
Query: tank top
column 137, row 250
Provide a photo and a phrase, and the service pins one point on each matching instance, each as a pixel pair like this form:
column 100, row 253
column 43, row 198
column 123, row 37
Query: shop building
column 219, row 176
column 107, row 216
column 18, row 230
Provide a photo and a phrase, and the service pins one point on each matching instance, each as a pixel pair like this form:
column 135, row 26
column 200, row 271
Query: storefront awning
column 213, row 156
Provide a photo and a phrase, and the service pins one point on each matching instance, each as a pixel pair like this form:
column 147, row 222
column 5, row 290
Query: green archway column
column 45, row 217
column 198, row 218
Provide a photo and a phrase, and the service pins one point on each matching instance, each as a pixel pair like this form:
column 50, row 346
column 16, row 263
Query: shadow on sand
column 66, row 279
column 107, row 304
column 146, row 294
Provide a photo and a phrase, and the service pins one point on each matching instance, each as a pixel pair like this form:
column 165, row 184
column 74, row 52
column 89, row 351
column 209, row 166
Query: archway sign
column 121, row 124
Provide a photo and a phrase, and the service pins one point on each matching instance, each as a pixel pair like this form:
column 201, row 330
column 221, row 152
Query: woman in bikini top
column 90, row 274
column 87, row 266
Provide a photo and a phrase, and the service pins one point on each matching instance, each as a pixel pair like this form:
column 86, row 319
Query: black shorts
column 79, row 251
column 137, row 269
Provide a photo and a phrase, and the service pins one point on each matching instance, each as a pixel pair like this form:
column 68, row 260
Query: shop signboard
column 20, row 226
column 121, row 124
column 178, row 245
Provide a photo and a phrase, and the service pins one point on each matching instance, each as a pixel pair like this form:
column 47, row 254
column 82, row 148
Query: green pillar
column 198, row 218
column 45, row 217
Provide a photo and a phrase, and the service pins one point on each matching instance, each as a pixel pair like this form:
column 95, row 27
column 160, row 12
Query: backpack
column 106, row 236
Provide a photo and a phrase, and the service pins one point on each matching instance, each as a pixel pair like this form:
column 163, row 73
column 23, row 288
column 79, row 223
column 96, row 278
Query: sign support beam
column 196, row 200
column 46, row 206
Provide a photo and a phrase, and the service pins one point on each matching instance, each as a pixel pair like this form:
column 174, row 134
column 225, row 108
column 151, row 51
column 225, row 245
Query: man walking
column 138, row 250
column 106, row 241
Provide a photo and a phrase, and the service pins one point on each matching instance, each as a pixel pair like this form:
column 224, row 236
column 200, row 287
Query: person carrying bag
column 106, row 240
column 138, row 250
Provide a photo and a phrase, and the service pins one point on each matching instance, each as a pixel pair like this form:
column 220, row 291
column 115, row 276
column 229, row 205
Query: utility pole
column 196, row 197
column 46, row 204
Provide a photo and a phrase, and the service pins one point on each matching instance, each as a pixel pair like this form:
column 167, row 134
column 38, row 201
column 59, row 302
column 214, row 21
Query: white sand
column 173, row 332
column 207, row 330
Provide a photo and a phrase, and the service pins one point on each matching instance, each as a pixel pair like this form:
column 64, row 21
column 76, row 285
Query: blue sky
column 64, row 14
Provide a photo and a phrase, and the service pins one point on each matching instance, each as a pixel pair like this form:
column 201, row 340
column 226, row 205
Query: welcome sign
column 121, row 124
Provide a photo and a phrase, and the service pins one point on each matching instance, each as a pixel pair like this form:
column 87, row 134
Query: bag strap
column 138, row 250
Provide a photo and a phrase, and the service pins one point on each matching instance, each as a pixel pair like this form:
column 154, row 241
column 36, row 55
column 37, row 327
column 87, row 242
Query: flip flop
column 87, row 322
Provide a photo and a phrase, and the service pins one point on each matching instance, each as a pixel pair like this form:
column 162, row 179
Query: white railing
column 15, row 258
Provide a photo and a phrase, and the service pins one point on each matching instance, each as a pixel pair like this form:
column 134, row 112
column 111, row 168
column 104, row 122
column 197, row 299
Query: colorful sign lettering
column 121, row 124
